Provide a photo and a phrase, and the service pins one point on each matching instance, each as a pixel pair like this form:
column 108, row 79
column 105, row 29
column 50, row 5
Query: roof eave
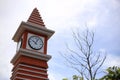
column 31, row 27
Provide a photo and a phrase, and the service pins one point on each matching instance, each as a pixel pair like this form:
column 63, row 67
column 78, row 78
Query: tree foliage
column 64, row 79
column 113, row 73
column 83, row 58
column 74, row 77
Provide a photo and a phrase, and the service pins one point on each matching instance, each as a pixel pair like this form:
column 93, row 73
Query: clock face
column 35, row 42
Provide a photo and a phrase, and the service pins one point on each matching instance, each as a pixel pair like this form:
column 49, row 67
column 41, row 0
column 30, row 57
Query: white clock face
column 35, row 42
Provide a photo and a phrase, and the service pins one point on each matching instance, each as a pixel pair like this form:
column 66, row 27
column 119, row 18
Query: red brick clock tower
column 30, row 60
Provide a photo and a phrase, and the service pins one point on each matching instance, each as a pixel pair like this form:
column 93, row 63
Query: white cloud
column 52, row 76
column 112, row 60
column 55, row 76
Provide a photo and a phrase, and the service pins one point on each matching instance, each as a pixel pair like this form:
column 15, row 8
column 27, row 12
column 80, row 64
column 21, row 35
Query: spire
column 36, row 18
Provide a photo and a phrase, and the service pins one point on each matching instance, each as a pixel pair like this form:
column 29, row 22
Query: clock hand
column 37, row 40
column 34, row 41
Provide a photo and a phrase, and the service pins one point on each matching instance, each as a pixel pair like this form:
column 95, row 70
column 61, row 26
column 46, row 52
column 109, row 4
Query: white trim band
column 36, row 55
column 21, row 78
column 33, row 67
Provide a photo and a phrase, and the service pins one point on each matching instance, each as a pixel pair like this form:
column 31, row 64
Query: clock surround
column 43, row 48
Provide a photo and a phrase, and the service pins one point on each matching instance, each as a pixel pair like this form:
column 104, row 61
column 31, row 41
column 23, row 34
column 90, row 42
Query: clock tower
column 30, row 60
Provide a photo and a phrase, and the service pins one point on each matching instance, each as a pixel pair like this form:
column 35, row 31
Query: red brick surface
column 36, row 18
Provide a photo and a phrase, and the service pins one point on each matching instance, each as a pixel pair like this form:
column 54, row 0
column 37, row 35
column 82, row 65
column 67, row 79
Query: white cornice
column 17, row 70
column 27, row 70
column 28, row 66
column 33, row 67
column 30, row 76
column 28, row 53
column 32, row 27
column 22, row 78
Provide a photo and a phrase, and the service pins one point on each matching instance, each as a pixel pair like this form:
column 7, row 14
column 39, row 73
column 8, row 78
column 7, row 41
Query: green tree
column 74, row 77
column 64, row 79
column 113, row 73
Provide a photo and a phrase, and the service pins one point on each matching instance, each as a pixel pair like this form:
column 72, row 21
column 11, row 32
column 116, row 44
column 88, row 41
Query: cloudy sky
column 62, row 16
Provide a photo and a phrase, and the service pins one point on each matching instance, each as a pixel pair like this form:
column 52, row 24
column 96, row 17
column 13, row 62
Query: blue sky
column 62, row 16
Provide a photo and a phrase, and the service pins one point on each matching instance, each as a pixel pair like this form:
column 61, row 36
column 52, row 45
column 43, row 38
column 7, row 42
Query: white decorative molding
column 28, row 66
column 31, row 27
column 21, row 78
column 32, row 54
column 32, row 71
column 32, row 67
column 15, row 72
column 18, row 68
column 31, row 75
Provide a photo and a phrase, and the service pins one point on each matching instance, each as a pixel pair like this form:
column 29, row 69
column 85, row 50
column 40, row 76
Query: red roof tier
column 36, row 18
